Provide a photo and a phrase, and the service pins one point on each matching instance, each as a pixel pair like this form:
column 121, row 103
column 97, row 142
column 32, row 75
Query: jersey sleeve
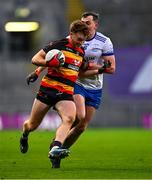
column 48, row 47
column 59, row 44
column 108, row 48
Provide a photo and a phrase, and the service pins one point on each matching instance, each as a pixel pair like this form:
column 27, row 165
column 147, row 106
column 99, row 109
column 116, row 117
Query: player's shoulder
column 101, row 37
column 59, row 44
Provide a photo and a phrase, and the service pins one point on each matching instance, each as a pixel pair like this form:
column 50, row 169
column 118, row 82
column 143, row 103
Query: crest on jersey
column 76, row 62
column 85, row 46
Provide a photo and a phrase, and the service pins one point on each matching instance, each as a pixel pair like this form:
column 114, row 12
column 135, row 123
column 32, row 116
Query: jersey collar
column 92, row 37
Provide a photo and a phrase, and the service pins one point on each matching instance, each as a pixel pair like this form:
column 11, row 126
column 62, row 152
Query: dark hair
column 93, row 14
column 79, row 26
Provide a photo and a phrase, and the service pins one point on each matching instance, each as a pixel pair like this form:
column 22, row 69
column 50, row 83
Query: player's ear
column 97, row 25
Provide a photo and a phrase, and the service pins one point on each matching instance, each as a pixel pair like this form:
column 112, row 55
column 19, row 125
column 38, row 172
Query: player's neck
column 91, row 36
column 71, row 42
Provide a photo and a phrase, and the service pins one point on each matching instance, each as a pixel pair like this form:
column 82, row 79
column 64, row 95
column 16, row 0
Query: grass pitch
column 98, row 154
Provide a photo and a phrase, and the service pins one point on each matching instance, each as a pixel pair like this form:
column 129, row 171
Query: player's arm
column 33, row 76
column 43, row 60
column 111, row 59
column 108, row 56
column 39, row 58
column 88, row 69
column 86, row 73
column 94, row 69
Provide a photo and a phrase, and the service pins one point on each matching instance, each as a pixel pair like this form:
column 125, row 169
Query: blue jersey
column 95, row 48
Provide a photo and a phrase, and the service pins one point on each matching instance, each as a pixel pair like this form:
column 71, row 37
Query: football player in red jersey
column 83, row 109
column 56, row 88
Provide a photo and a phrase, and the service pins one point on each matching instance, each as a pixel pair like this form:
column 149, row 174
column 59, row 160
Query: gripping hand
column 106, row 64
column 57, row 61
column 32, row 77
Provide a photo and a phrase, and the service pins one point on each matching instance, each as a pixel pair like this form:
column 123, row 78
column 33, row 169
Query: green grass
column 99, row 154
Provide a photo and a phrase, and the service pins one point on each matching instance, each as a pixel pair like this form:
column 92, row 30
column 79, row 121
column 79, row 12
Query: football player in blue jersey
column 88, row 90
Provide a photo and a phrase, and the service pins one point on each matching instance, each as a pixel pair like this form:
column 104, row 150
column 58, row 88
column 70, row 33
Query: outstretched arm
column 94, row 69
column 33, row 76
column 42, row 60
column 39, row 60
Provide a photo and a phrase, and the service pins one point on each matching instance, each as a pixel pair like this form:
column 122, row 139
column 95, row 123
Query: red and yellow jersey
column 63, row 78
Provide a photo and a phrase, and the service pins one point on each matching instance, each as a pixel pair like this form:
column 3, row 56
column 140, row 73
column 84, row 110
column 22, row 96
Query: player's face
column 92, row 25
column 77, row 39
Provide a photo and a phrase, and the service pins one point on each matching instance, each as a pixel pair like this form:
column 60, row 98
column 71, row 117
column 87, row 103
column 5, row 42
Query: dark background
column 127, row 22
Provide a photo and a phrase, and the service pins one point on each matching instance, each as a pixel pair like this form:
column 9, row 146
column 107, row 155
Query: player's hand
column 60, row 59
column 56, row 61
column 32, row 77
column 106, row 64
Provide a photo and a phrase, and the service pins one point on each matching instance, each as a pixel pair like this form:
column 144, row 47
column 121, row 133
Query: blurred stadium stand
column 127, row 22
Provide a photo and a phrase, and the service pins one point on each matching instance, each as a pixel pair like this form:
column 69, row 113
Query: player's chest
column 93, row 51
